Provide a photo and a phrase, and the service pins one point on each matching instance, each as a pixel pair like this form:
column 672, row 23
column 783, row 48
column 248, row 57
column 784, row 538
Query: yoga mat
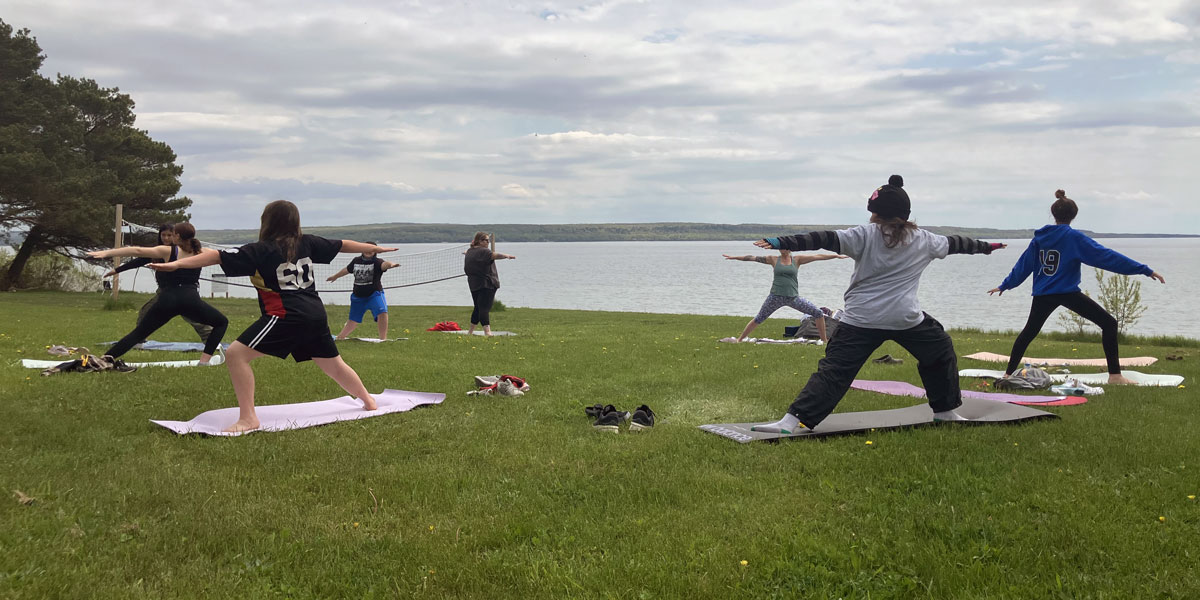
column 1135, row 361
column 280, row 417
column 169, row 346
column 903, row 388
column 480, row 332
column 46, row 364
column 979, row 411
column 1142, row 379
column 372, row 340
column 733, row 340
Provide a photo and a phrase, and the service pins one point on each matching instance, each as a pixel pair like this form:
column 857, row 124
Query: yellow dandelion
column 1016, row 444
column 431, row 571
column 1191, row 496
column 356, row 524
column 743, row 563
column 1181, row 386
column 869, row 442
column 1162, row 519
column 755, row 366
column 431, row 527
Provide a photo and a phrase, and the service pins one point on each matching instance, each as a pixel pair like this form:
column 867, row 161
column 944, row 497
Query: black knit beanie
column 890, row 200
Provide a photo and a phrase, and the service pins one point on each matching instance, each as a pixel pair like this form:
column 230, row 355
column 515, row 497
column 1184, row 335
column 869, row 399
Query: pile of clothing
column 499, row 385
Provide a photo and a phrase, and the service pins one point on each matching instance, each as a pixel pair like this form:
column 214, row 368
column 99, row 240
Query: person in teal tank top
column 785, row 288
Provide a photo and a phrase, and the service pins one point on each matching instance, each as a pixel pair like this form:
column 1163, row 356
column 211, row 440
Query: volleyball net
column 418, row 268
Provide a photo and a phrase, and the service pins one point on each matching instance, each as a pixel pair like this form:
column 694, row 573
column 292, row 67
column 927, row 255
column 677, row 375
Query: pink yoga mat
column 902, row 388
column 280, row 417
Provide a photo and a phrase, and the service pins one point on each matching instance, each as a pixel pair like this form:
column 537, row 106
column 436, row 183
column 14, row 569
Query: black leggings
column 179, row 301
column 483, row 299
column 1080, row 304
column 850, row 347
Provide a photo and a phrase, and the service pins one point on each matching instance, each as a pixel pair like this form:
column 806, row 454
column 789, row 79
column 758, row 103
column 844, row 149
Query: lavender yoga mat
column 280, row 417
column 902, row 388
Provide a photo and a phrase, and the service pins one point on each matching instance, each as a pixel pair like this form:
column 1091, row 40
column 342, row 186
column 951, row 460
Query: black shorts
column 304, row 340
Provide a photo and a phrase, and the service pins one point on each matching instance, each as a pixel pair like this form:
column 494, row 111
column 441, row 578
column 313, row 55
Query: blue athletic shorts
column 376, row 303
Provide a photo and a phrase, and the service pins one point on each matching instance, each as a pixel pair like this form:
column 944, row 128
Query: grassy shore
column 519, row 498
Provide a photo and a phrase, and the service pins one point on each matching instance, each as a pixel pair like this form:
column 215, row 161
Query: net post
column 118, row 241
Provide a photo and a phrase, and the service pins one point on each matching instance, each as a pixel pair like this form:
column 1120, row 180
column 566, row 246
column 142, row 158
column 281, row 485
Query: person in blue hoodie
column 1054, row 257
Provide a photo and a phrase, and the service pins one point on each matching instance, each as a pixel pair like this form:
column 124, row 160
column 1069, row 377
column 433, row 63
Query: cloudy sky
column 639, row 111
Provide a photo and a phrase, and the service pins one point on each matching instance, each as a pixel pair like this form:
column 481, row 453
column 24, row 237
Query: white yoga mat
column 733, row 340
column 372, row 340
column 280, row 417
column 480, row 332
column 1133, row 361
column 1142, row 379
column 217, row 359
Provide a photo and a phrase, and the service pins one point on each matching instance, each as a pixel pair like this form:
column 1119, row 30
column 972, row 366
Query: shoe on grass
column 888, row 359
column 593, row 411
column 643, row 418
column 608, row 422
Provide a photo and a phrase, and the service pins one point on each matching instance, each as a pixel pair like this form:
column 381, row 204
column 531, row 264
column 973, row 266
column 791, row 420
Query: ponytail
column 187, row 238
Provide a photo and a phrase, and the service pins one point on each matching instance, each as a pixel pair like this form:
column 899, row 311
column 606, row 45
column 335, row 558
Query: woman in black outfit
column 178, row 294
column 480, row 267
column 166, row 237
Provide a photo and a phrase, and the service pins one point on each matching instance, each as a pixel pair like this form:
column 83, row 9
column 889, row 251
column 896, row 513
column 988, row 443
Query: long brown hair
column 480, row 239
column 895, row 230
column 1064, row 209
column 187, row 237
column 281, row 225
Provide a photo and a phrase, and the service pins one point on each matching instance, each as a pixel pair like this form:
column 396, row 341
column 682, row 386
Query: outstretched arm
column 206, row 258
column 499, row 256
column 335, row 276
column 389, row 265
column 1093, row 254
column 815, row 240
column 1020, row 271
column 961, row 244
column 351, row 246
column 766, row 260
column 801, row 259
column 133, row 264
column 138, row 251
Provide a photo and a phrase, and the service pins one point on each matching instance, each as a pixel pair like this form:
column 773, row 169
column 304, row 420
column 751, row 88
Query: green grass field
column 520, row 498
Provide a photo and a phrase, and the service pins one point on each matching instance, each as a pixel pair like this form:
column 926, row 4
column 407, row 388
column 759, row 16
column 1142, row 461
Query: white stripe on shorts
column 258, row 338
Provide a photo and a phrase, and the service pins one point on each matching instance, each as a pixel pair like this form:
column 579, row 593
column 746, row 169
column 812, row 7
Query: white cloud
column 627, row 110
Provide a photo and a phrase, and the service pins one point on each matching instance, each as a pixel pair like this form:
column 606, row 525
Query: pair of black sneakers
column 609, row 419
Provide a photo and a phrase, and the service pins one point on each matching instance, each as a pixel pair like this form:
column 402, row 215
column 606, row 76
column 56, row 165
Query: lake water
column 693, row 278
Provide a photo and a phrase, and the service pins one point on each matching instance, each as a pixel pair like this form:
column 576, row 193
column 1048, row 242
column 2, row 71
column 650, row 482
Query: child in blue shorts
column 368, row 270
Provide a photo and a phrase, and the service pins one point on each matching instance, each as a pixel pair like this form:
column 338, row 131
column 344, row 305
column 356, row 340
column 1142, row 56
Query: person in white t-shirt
column 890, row 253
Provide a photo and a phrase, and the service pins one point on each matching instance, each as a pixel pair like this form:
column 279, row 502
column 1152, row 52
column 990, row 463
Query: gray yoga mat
column 979, row 411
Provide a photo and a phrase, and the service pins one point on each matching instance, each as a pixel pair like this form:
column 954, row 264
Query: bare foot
column 1119, row 379
column 369, row 403
column 242, row 426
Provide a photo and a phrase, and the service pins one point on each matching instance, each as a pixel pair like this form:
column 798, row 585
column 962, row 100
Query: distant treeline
column 599, row 232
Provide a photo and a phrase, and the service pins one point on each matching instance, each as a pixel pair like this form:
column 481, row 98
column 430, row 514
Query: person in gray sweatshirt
column 890, row 253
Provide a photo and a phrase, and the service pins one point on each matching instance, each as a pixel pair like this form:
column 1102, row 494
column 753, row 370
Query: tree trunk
column 18, row 263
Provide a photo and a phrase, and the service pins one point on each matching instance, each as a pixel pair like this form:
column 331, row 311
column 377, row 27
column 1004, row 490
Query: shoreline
column 1087, row 336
